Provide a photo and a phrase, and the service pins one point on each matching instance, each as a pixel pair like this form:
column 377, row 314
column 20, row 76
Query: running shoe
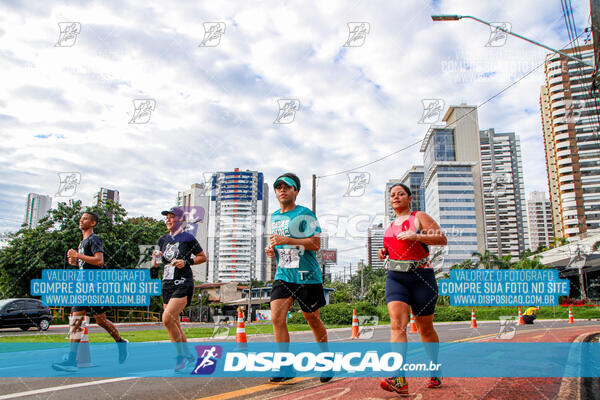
column 66, row 366
column 122, row 345
column 434, row 382
column 180, row 363
column 280, row 379
column 396, row 384
column 289, row 372
column 326, row 377
column 190, row 359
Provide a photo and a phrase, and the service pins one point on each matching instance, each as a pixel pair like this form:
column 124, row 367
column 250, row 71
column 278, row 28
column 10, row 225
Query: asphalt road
column 197, row 388
column 93, row 328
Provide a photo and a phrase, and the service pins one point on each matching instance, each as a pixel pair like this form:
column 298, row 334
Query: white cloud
column 215, row 105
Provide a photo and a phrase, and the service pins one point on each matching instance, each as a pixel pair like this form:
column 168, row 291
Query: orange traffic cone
column 521, row 321
column 473, row 319
column 413, row 325
column 354, row 334
column 84, row 359
column 571, row 320
column 240, row 333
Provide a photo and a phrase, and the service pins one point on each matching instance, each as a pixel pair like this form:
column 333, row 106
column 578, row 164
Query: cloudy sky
column 67, row 101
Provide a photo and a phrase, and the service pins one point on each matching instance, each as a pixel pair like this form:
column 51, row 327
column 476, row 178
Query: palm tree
column 486, row 260
column 561, row 241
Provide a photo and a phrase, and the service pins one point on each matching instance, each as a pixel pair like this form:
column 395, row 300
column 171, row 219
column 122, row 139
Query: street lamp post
column 452, row 17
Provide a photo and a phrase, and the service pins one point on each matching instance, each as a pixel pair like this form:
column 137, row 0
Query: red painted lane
column 455, row 388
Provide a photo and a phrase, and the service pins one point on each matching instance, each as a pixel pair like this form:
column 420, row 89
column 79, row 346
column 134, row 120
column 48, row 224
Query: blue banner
column 508, row 287
column 366, row 359
column 95, row 287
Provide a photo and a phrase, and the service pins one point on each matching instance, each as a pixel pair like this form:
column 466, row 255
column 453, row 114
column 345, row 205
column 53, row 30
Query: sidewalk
column 457, row 388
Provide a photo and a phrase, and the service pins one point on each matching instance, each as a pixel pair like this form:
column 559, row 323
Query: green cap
column 287, row 180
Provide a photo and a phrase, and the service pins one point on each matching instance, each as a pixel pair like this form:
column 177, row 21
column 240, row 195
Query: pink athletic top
column 398, row 249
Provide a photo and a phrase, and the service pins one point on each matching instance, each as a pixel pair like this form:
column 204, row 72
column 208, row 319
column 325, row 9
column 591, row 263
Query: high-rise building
column 325, row 264
column 413, row 178
column 105, row 194
column 551, row 168
column 570, row 120
column 236, row 241
column 374, row 243
column 504, row 193
column 195, row 201
column 539, row 213
column 453, row 186
column 324, row 239
column 37, row 207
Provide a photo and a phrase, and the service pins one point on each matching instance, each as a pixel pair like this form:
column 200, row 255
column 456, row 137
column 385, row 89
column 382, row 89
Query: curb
column 570, row 388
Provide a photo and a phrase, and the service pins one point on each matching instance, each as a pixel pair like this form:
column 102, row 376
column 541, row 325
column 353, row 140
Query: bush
column 452, row 314
column 296, row 318
column 365, row 308
column 337, row 314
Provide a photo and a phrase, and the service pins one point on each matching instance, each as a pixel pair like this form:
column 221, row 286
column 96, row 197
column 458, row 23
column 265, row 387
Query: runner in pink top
column 404, row 249
column 409, row 283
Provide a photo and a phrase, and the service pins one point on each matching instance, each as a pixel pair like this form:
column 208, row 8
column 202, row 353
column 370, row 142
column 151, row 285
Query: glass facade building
column 238, row 211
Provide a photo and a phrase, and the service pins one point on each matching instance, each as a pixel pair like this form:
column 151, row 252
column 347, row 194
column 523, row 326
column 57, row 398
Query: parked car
column 24, row 313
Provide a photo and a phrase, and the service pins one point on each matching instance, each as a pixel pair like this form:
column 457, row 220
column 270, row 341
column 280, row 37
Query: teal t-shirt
column 293, row 264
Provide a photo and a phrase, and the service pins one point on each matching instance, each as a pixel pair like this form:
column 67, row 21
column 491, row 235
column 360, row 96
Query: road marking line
column 260, row 388
column 65, row 387
column 248, row 390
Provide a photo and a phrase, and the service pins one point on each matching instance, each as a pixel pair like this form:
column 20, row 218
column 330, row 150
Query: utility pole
column 250, row 297
column 595, row 15
column 362, row 278
column 314, row 194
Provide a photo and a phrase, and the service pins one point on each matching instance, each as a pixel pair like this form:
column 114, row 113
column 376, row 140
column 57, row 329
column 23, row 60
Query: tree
column 485, row 260
column 525, row 262
column 29, row 251
column 375, row 293
column 342, row 293
column 559, row 241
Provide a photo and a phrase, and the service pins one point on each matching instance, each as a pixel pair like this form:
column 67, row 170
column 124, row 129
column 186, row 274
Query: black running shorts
column 177, row 292
column 310, row 296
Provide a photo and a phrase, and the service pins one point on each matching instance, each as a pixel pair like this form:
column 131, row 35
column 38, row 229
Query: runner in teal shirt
column 294, row 264
column 293, row 242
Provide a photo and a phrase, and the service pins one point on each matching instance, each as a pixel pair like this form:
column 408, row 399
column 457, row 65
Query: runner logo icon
column 207, row 359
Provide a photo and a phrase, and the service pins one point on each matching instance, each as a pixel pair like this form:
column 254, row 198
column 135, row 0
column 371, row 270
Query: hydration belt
column 404, row 265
